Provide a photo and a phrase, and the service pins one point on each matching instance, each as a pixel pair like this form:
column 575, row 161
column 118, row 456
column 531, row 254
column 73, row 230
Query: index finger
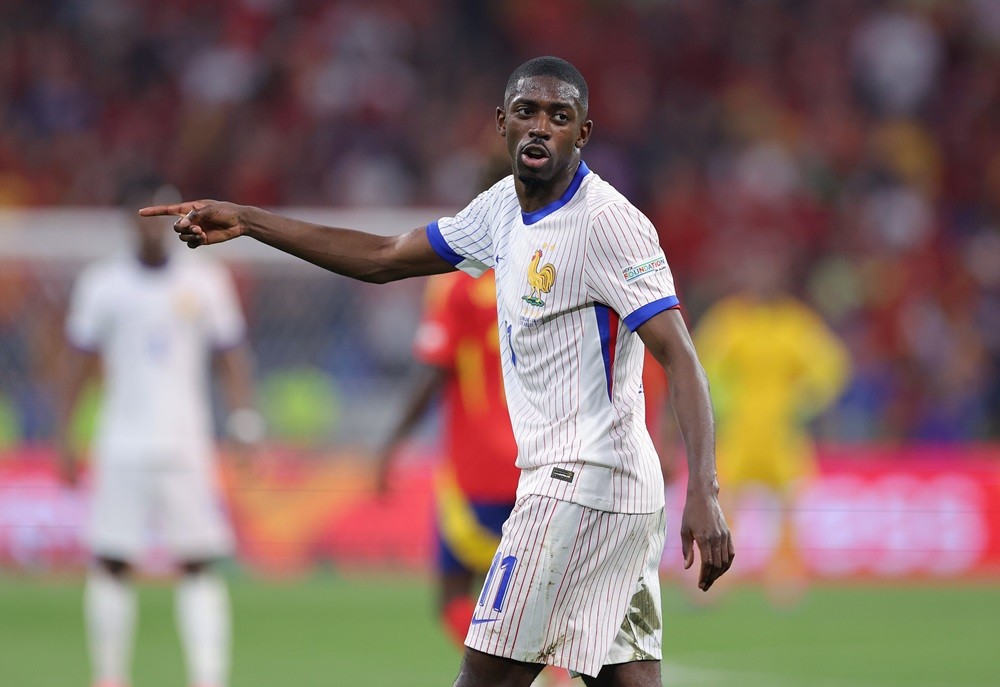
column 177, row 209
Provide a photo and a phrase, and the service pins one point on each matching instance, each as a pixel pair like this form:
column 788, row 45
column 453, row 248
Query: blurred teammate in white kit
column 155, row 321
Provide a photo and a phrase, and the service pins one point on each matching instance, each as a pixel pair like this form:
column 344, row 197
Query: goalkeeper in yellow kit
column 773, row 365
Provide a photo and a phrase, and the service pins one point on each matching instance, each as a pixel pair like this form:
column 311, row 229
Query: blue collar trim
column 542, row 213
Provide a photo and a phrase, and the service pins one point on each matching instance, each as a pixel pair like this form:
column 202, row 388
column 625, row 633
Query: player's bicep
column 666, row 337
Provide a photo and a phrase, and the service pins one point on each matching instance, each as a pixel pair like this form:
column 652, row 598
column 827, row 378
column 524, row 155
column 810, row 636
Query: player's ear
column 585, row 130
column 502, row 122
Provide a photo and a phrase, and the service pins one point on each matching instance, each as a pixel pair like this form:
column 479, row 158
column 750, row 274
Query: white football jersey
column 155, row 328
column 574, row 279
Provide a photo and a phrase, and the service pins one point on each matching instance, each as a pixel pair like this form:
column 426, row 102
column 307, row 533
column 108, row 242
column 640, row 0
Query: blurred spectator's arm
column 77, row 368
column 429, row 381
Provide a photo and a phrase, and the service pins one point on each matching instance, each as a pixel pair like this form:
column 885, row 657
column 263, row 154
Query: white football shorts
column 181, row 504
column 573, row 587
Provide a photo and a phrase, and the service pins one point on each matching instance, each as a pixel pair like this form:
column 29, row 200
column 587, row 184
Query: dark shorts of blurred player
column 468, row 532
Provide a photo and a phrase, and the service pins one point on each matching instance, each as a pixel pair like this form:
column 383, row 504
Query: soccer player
column 152, row 319
column 774, row 365
column 582, row 285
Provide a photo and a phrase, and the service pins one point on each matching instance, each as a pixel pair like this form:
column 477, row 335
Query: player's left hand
column 704, row 523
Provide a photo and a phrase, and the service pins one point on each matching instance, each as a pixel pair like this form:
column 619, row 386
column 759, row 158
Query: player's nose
column 540, row 128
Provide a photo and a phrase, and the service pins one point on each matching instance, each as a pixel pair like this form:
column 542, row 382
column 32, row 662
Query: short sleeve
column 626, row 268
column 87, row 319
column 436, row 336
column 224, row 317
column 465, row 240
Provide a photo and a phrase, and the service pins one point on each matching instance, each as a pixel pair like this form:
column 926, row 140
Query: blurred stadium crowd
column 859, row 137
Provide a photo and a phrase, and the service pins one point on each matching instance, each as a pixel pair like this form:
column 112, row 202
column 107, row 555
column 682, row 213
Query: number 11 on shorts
column 495, row 589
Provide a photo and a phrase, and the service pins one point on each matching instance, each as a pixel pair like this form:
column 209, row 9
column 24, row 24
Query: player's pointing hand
column 201, row 222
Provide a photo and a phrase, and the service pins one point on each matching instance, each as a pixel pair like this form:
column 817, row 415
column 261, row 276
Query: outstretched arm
column 666, row 336
column 355, row 254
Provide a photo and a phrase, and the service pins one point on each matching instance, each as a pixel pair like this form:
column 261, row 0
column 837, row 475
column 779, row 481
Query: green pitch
column 380, row 632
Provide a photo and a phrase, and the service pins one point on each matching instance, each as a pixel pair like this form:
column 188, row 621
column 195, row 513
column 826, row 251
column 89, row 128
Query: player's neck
column 534, row 194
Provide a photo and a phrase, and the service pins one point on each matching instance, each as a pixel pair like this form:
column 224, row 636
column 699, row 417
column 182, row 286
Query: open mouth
column 534, row 156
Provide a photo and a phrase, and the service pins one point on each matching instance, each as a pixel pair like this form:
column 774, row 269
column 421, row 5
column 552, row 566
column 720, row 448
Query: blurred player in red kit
column 475, row 486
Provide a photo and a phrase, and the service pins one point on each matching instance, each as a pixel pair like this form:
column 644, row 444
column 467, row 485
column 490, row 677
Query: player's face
column 545, row 127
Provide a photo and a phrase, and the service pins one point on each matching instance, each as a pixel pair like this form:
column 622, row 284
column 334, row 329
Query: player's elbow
column 382, row 266
column 385, row 273
column 685, row 363
column 393, row 259
column 381, row 276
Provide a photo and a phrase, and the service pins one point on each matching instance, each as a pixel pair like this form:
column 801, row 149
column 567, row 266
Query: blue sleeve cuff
column 441, row 246
column 639, row 317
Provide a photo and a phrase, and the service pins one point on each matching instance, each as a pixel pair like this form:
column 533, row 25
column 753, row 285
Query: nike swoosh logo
column 480, row 621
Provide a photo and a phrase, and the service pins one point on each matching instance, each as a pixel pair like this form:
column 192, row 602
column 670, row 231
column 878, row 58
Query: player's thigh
column 634, row 674
column 484, row 670
column 192, row 513
column 119, row 511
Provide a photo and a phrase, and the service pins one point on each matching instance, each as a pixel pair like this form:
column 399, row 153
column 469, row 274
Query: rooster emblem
column 540, row 279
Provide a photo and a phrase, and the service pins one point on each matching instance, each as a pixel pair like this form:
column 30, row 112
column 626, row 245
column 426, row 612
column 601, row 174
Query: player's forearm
column 235, row 366
column 77, row 368
column 245, row 424
column 692, row 405
column 429, row 382
column 666, row 336
column 359, row 255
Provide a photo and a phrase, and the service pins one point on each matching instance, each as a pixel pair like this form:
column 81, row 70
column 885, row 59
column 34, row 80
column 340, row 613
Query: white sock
column 202, row 604
column 110, row 610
